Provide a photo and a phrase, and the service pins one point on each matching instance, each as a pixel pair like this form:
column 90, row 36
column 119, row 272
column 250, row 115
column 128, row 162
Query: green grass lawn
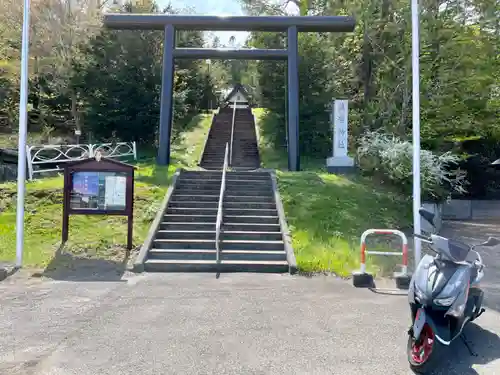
column 92, row 236
column 327, row 213
column 10, row 140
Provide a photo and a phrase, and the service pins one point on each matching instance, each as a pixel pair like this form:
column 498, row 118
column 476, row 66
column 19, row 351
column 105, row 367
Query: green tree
column 372, row 68
column 121, row 77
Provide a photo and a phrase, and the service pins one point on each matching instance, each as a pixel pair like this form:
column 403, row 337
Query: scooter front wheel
column 423, row 353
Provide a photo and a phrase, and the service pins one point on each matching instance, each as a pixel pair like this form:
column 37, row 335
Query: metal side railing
column 220, row 207
column 235, row 104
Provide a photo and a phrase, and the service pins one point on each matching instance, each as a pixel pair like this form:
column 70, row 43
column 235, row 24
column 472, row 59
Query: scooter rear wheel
column 422, row 354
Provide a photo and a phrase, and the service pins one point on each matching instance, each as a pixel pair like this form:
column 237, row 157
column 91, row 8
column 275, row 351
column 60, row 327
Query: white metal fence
column 51, row 158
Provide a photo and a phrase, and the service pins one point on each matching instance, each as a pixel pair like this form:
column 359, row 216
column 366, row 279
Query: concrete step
column 222, row 132
column 239, row 148
column 195, row 186
column 221, row 140
column 248, row 190
column 212, row 165
column 204, row 254
column 218, row 174
column 249, row 198
column 230, row 190
column 186, row 235
column 251, row 227
column 258, row 182
column 249, row 211
column 250, row 166
column 233, row 192
column 200, row 177
column 176, row 197
column 246, row 167
column 176, row 218
column 187, row 226
column 225, row 236
column 194, row 191
column 227, row 205
column 250, row 219
column 191, row 204
column 249, row 205
column 173, row 243
column 213, row 211
column 163, row 265
column 252, row 245
column 191, row 211
column 200, row 182
column 239, row 235
column 243, row 155
column 215, row 166
column 200, row 244
column 250, row 184
column 246, row 163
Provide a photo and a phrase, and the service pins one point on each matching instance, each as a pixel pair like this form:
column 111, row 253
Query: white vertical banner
column 340, row 128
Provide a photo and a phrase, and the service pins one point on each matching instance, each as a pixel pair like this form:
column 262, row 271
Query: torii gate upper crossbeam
column 230, row 23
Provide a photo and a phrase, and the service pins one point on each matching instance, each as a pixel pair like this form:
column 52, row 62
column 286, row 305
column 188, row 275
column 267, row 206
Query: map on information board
column 115, row 192
column 98, row 191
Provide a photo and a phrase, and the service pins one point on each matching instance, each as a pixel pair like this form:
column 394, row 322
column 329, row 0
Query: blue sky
column 213, row 7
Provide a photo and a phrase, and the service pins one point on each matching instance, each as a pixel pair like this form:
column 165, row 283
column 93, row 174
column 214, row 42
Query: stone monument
column 340, row 162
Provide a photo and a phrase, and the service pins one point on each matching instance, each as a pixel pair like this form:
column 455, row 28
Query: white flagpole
column 416, row 124
column 23, row 130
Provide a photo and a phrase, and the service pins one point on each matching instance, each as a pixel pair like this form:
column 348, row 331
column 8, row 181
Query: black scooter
column 444, row 296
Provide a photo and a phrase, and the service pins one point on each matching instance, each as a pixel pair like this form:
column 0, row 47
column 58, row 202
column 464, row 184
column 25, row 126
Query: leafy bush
column 389, row 157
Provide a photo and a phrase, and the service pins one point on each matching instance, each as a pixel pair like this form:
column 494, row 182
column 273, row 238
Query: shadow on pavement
column 7, row 270
column 70, row 267
column 459, row 360
column 474, row 233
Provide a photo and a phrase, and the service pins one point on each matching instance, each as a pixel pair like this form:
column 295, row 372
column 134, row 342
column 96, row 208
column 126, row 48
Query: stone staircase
column 245, row 148
column 253, row 236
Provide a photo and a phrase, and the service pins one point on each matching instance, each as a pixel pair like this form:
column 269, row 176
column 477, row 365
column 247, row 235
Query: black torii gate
column 170, row 23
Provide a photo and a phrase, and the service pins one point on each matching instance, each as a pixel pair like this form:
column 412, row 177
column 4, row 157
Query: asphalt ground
column 237, row 324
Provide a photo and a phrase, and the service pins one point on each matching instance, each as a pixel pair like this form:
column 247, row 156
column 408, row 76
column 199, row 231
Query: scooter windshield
column 452, row 250
column 458, row 250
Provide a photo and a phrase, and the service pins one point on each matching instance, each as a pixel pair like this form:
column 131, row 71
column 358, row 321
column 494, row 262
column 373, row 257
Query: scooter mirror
column 427, row 215
column 492, row 241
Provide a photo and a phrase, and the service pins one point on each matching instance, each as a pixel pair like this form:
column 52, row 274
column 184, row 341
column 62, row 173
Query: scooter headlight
column 445, row 301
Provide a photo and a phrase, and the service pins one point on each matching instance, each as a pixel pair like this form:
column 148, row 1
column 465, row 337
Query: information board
column 98, row 191
column 98, row 186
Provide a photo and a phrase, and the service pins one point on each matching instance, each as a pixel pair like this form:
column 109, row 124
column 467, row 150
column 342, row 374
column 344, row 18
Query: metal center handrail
column 220, row 207
column 232, row 133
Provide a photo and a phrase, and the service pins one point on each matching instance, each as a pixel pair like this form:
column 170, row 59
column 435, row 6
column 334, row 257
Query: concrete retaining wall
column 471, row 209
column 8, row 172
column 8, row 165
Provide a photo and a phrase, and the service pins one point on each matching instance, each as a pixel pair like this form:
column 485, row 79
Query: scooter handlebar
column 422, row 237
